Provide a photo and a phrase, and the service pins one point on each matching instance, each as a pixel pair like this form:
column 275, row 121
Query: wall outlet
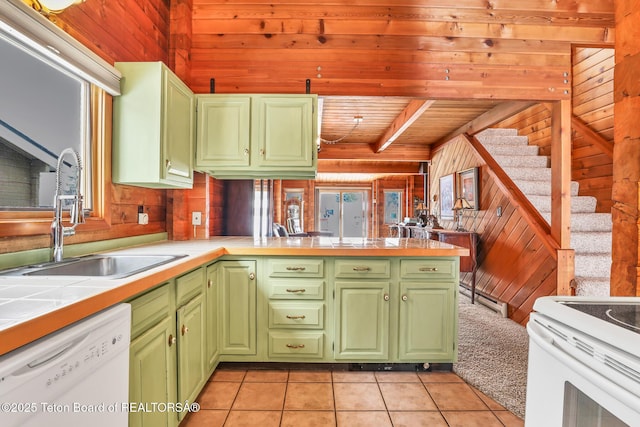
column 196, row 218
column 143, row 218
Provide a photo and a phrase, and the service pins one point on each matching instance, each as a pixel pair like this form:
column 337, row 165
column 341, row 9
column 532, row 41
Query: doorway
column 343, row 212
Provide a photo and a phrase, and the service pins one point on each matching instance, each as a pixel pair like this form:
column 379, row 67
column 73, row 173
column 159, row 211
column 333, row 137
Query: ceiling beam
column 397, row 152
column 410, row 114
column 497, row 114
column 373, row 167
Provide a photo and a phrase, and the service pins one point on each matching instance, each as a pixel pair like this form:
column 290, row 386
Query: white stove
column 584, row 362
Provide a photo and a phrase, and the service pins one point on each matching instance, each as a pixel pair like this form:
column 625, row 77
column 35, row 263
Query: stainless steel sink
column 104, row 266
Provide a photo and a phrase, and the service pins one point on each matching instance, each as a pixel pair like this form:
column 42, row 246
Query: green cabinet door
column 152, row 376
column 284, row 130
column 223, row 131
column 191, row 349
column 362, row 320
column 238, row 307
column 178, row 124
column 427, row 327
column 211, row 293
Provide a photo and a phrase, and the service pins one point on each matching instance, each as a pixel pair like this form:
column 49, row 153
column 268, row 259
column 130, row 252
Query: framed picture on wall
column 467, row 184
column 447, row 196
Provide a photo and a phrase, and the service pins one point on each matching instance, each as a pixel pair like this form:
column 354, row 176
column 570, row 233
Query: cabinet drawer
column 150, row 308
column 296, row 315
column 295, row 267
column 296, row 344
column 296, row 289
column 428, row 268
column 189, row 285
column 370, row 268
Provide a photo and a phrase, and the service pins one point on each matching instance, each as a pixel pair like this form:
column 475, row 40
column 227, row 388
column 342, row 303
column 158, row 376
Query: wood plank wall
column 514, row 266
column 464, row 50
column 593, row 104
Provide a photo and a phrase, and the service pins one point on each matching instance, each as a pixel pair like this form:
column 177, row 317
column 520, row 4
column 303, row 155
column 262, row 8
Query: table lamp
column 459, row 206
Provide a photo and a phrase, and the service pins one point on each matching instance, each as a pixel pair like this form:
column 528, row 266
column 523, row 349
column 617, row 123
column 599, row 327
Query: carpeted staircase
column 590, row 231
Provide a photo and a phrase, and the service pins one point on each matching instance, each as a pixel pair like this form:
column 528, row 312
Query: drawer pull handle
column 296, row 291
column 302, row 316
column 296, row 268
column 428, row 268
column 361, row 268
column 295, row 345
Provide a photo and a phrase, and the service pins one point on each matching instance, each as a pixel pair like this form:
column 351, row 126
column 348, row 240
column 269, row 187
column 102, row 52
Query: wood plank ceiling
column 415, row 72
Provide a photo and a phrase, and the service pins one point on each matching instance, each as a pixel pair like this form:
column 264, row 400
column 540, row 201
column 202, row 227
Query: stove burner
column 624, row 315
column 623, row 322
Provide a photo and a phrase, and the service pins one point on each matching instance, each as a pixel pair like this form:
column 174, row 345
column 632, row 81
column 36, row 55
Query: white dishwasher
column 77, row 376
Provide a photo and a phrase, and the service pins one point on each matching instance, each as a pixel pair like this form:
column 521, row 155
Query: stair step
column 542, row 188
column 498, row 132
column 522, row 161
column 591, row 222
column 585, row 204
column 495, row 141
column 512, row 150
column 529, row 174
column 593, row 286
column 593, row 265
column 591, row 242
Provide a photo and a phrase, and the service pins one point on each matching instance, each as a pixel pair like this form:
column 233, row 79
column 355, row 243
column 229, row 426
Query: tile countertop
column 33, row 307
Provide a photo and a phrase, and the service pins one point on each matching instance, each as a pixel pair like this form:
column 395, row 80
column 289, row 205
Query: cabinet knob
column 295, row 345
column 168, row 163
column 246, row 151
column 252, row 276
column 404, row 298
column 184, row 329
column 262, row 152
column 172, row 340
column 209, row 283
column 386, row 297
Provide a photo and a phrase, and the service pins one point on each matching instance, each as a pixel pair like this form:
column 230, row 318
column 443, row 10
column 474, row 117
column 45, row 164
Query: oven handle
column 552, row 346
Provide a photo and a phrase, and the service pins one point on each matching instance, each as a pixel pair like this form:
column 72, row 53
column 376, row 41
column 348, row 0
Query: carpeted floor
column 492, row 355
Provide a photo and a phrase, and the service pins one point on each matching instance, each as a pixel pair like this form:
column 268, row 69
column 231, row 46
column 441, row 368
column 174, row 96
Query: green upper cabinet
column 257, row 136
column 153, row 128
column 224, row 131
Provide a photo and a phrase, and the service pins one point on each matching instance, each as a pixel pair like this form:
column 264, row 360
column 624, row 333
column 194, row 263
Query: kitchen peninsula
column 94, row 293
column 296, row 299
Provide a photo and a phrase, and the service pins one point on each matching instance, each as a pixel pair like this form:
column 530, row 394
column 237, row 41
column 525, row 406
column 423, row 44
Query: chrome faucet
column 59, row 231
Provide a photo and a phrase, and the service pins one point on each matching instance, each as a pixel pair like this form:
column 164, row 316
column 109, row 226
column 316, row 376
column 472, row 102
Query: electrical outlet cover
column 196, row 218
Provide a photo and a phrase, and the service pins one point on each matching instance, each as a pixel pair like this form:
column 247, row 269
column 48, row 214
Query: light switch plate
column 196, row 218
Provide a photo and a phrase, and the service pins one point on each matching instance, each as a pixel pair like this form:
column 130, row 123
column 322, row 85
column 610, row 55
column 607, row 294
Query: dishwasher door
column 78, row 376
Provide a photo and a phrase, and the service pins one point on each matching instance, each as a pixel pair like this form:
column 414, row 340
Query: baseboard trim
column 497, row 306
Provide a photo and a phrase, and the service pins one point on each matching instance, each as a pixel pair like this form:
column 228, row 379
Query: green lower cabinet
column 153, row 374
column 191, row 349
column 238, row 307
column 427, row 325
column 212, row 298
column 362, row 320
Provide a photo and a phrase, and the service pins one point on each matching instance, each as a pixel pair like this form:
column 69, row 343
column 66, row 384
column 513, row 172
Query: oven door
column 564, row 389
